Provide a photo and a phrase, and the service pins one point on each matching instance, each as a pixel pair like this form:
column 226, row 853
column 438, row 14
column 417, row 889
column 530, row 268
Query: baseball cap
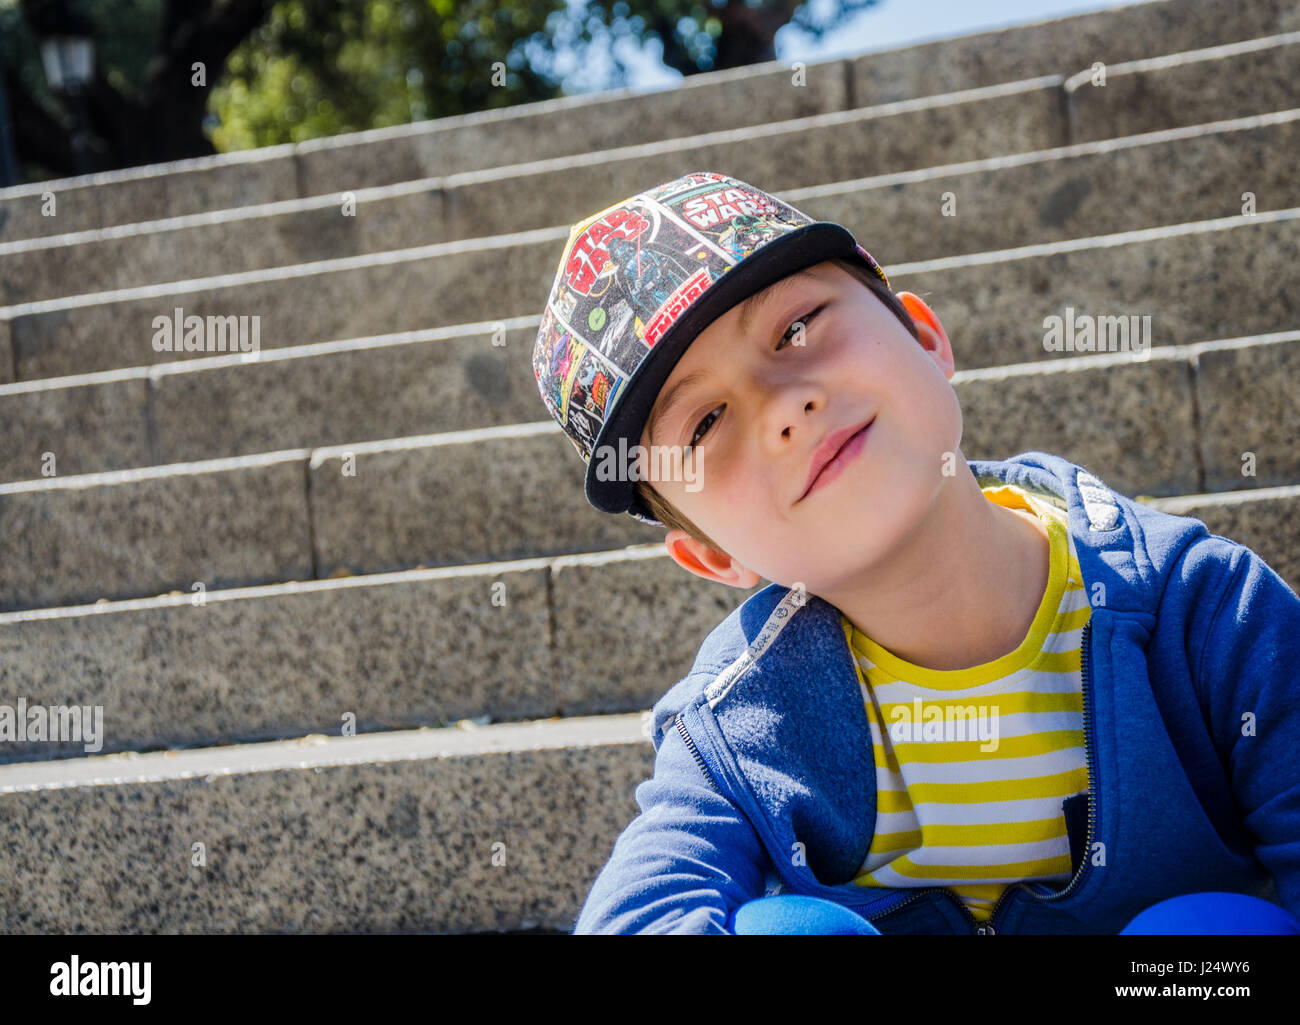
column 637, row 282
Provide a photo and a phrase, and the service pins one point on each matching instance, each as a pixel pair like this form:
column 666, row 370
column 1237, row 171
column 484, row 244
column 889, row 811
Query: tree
column 184, row 78
column 147, row 100
column 319, row 68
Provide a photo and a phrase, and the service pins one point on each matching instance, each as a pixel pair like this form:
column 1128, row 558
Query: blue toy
column 1210, row 913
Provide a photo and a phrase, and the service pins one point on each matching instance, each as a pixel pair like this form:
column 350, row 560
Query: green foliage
column 319, row 68
column 322, row 67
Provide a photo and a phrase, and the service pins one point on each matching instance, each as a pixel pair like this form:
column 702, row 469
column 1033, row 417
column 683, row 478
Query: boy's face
column 770, row 395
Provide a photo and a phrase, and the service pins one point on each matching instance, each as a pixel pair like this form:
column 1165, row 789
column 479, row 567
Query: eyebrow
column 749, row 309
column 669, row 398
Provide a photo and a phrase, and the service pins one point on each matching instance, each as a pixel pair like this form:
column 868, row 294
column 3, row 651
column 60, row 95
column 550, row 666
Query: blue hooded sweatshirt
column 764, row 779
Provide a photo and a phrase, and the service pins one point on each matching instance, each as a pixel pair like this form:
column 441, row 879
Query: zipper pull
column 986, row 930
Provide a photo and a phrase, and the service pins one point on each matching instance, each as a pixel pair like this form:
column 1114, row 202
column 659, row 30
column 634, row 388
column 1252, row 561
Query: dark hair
column 662, row 509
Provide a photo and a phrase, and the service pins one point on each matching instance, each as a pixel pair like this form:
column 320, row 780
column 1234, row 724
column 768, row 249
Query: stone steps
column 490, row 280
column 423, row 648
column 429, row 831
column 444, row 379
column 1066, row 187
column 560, row 128
column 1178, row 91
column 473, row 828
column 1175, row 422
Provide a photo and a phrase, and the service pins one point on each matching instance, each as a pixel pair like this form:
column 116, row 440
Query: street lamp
column 68, row 53
column 69, row 62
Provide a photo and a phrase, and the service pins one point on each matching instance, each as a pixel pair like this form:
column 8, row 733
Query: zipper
column 1093, row 789
column 681, row 728
column 987, row 928
column 1092, row 782
column 917, row 895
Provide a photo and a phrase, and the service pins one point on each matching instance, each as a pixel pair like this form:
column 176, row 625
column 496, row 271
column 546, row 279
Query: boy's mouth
column 829, row 450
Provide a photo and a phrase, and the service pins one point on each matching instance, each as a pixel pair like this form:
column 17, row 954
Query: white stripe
column 1020, row 682
column 486, row 570
column 886, row 876
column 1011, row 160
column 995, row 854
column 995, row 768
column 1062, row 642
column 1173, row 60
column 976, row 813
column 1079, row 245
column 999, row 727
column 776, row 622
column 319, row 751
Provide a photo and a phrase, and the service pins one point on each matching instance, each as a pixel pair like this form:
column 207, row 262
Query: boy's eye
column 804, row 320
column 695, row 437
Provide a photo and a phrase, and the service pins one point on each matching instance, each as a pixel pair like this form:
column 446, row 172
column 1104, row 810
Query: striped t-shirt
column 974, row 764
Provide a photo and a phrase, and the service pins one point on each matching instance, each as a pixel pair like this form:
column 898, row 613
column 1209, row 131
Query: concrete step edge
column 1174, row 60
column 632, row 553
column 1173, row 504
column 450, row 182
column 318, row 751
column 490, row 570
column 315, row 456
column 487, row 243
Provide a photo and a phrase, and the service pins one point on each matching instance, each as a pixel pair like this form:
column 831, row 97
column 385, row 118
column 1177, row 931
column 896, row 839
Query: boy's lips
column 827, row 451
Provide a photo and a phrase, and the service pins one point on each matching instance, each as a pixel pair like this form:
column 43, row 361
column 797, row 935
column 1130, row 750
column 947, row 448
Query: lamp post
column 68, row 53
column 8, row 165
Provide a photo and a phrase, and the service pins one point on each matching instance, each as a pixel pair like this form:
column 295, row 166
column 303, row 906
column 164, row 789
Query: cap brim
column 803, row 247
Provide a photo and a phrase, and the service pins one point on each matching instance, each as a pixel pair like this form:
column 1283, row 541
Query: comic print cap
column 635, row 285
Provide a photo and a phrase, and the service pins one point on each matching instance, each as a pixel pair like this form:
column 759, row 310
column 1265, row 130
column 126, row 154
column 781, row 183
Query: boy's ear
column 932, row 335
column 706, row 562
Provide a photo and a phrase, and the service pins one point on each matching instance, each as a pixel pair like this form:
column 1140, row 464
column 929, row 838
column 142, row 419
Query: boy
column 986, row 696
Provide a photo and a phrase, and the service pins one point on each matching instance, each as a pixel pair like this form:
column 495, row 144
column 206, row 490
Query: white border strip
column 777, row 621
column 1077, row 245
column 486, row 570
column 276, row 355
column 1174, row 60
column 317, row 751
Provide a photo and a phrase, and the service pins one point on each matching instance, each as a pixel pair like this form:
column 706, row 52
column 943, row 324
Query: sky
column 888, row 24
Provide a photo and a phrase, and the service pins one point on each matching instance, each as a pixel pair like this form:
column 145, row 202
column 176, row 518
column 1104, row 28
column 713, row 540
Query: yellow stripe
column 1075, row 619
column 1042, row 661
column 990, row 834
column 913, row 751
column 883, row 843
column 1058, row 661
column 981, row 891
